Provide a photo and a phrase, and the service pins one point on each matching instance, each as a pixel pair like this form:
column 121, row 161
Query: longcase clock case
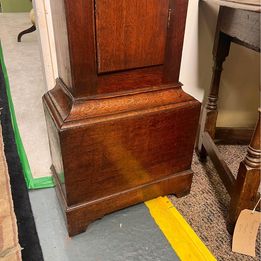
column 121, row 129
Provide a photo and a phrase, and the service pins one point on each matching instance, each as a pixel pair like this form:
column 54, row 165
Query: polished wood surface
column 242, row 27
column 130, row 79
column 175, row 37
column 79, row 216
column 130, row 34
column 75, row 27
column 123, row 131
column 120, row 138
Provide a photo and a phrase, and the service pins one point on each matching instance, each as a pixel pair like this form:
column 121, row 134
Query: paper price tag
column 245, row 233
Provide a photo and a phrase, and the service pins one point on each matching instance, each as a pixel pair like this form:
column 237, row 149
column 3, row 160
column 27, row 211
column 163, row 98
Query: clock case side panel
column 74, row 32
column 175, row 39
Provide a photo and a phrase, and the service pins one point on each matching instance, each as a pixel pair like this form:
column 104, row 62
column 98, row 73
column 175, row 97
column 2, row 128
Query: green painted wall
column 9, row 6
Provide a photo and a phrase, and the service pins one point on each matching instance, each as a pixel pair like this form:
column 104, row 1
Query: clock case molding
column 121, row 129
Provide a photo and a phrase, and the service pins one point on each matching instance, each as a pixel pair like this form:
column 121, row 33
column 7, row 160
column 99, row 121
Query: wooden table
column 239, row 22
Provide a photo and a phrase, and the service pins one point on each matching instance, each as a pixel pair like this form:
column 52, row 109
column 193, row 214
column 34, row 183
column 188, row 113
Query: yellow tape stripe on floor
column 180, row 235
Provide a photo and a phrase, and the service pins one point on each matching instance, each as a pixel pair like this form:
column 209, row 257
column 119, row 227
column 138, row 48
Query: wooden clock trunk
column 121, row 129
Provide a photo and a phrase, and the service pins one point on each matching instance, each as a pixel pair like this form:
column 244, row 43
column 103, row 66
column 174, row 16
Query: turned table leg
column 248, row 179
column 210, row 111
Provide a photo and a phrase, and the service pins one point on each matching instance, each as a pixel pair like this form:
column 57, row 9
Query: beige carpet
column 9, row 246
column 206, row 207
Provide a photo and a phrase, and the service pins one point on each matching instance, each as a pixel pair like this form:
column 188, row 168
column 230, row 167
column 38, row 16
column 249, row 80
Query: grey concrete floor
column 126, row 235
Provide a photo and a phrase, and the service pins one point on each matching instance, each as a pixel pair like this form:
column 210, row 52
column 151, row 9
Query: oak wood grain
column 82, row 47
column 130, row 34
column 79, row 216
column 175, row 38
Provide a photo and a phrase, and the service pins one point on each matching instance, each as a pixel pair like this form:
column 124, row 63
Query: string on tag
column 256, row 206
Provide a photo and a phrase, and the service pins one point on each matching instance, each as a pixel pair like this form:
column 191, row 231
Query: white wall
column 46, row 36
column 239, row 89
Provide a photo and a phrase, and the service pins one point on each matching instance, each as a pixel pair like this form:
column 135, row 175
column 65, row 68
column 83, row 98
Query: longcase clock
column 121, row 129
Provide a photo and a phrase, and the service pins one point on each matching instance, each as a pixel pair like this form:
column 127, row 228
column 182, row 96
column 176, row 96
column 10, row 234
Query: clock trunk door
column 130, row 34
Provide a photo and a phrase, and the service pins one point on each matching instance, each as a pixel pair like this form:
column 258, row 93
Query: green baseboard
column 32, row 183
